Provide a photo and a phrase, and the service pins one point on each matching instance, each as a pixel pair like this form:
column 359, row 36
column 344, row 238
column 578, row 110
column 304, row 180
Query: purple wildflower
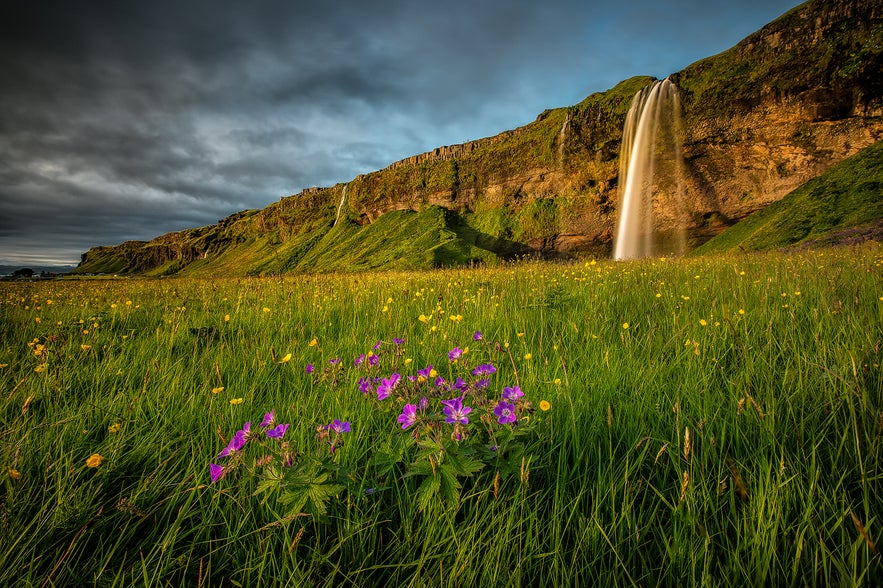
column 482, row 384
column 461, row 385
column 338, row 426
column 425, row 373
column 455, row 353
column 269, row 419
column 334, row 361
column 387, row 385
column 373, row 360
column 512, row 394
column 215, row 471
column 377, row 345
column 505, row 412
column 359, row 360
column 484, row 369
column 397, row 341
column 309, row 368
column 476, row 336
column 408, row 416
column 455, row 411
column 439, row 382
column 365, row 386
column 278, row 431
column 424, row 402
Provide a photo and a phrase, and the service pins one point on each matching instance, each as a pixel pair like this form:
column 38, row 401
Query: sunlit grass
column 729, row 435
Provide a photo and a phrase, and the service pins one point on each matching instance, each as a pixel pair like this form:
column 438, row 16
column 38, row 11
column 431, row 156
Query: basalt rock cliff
column 787, row 103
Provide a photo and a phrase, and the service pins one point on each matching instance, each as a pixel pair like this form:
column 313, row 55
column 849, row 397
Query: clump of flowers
column 455, row 420
column 305, row 482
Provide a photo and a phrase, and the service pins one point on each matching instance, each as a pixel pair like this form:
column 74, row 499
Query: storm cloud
column 127, row 120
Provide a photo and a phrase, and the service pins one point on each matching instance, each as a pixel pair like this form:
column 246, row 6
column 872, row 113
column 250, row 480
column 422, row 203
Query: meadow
column 712, row 421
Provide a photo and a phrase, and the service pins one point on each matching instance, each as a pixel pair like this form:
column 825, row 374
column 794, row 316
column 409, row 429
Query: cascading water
column 340, row 206
column 650, row 167
column 562, row 135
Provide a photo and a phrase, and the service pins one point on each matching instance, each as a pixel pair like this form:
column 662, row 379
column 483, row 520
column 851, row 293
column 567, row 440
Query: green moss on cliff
column 819, row 212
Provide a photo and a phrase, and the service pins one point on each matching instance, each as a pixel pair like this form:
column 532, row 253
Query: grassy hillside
column 843, row 204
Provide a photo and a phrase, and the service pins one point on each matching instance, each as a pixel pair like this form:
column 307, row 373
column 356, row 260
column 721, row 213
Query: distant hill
column 780, row 108
column 842, row 206
column 7, row 270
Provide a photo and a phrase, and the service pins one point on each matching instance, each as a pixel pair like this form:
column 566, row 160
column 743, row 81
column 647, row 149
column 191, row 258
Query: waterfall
column 650, row 164
column 561, row 136
column 340, row 206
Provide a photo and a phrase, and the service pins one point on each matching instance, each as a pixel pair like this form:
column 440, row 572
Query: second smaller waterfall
column 340, row 206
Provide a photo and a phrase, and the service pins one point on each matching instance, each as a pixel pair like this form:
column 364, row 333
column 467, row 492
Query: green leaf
column 427, row 493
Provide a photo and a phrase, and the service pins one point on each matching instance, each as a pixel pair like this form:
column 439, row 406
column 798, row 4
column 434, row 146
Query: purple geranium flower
column 455, row 411
column 215, row 471
column 425, row 372
column 461, row 385
column 484, row 369
column 476, row 336
column 373, row 360
column 439, row 382
column 505, row 412
column 278, row 431
column 512, row 394
column 397, row 341
column 365, row 386
column 408, row 416
column 238, row 441
column 377, row 345
column 269, row 419
column 387, row 385
column 339, row 426
column 455, row 353
column 334, row 361
column 482, row 384
column 309, row 368
column 359, row 360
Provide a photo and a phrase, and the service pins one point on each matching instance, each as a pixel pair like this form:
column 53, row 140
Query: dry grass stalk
column 863, row 532
column 496, row 484
column 641, row 442
column 741, row 490
column 687, row 444
column 684, row 484
column 297, row 537
column 659, row 454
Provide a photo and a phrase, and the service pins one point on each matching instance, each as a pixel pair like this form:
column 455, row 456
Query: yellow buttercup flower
column 285, row 359
column 217, row 390
column 625, row 325
column 528, row 356
column 114, row 428
column 14, row 474
column 236, row 401
column 314, row 342
column 94, row 460
column 544, row 405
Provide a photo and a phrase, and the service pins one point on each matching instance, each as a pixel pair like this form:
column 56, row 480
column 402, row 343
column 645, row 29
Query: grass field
column 713, row 421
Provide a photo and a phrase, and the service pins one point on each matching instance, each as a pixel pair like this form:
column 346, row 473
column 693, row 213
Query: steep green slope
column 842, row 205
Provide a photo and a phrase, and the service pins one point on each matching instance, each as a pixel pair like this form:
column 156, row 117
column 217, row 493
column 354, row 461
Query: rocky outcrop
column 760, row 119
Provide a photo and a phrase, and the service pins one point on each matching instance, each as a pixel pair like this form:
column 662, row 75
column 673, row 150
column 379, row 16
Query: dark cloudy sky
column 128, row 119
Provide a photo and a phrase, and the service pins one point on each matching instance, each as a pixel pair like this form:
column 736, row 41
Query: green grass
column 835, row 206
column 771, row 362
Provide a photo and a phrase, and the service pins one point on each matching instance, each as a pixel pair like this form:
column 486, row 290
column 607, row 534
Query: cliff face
column 760, row 119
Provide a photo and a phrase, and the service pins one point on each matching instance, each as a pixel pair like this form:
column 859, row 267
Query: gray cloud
column 129, row 119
